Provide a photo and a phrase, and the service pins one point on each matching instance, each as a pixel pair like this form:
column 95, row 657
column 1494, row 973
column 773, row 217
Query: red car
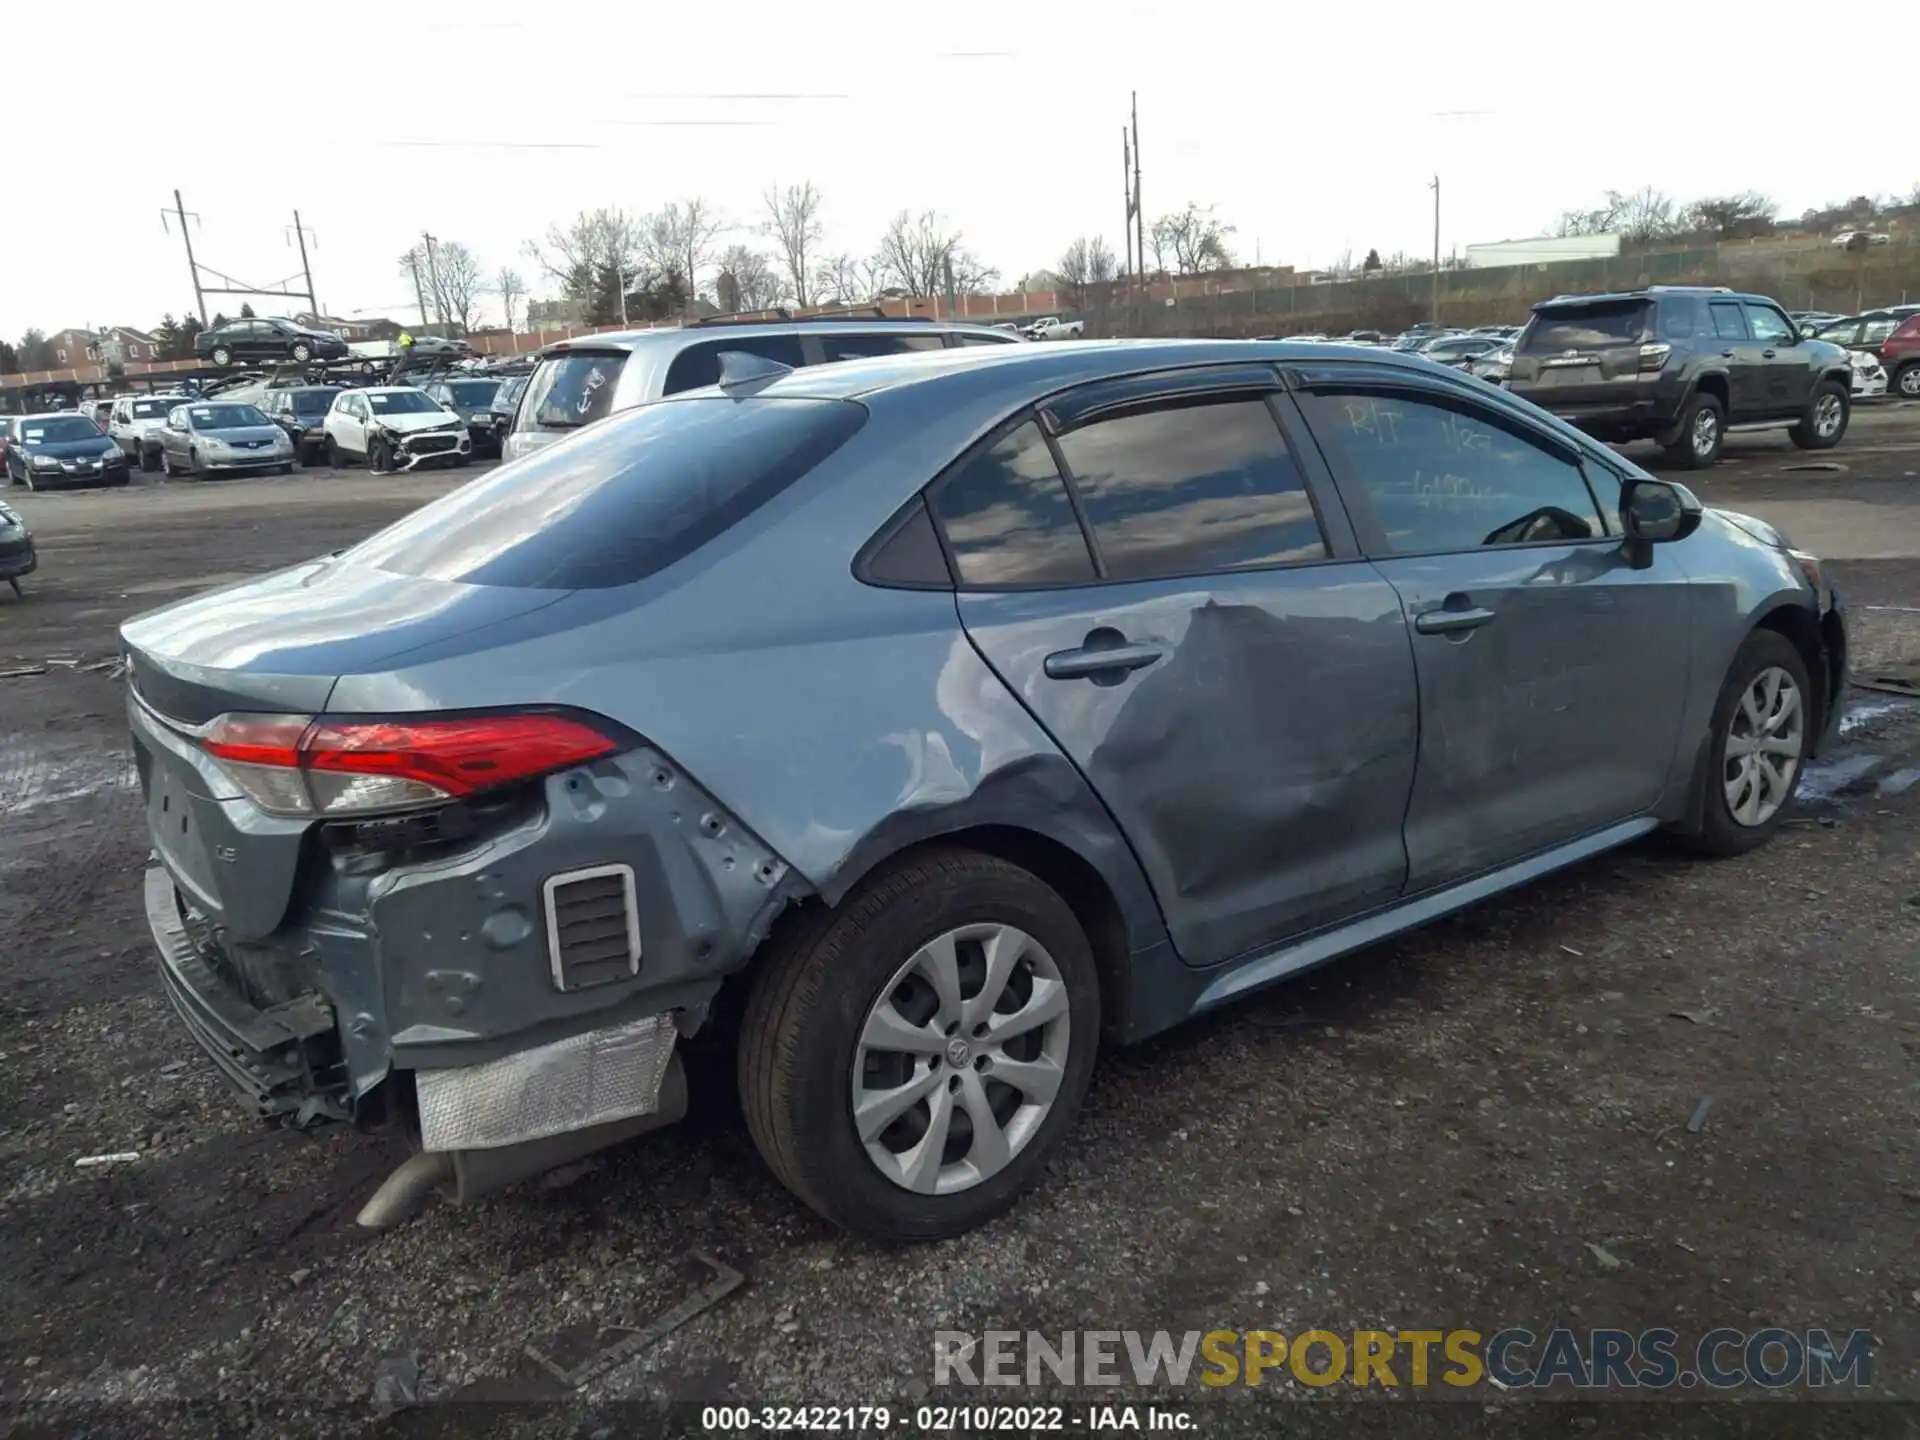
column 1900, row 354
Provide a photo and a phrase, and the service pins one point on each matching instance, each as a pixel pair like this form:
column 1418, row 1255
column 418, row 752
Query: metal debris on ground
column 1608, row 1260
column 19, row 671
column 1696, row 1017
column 1890, row 684
column 636, row 1339
column 1697, row 1122
column 118, row 1157
column 1825, row 467
column 396, row 1384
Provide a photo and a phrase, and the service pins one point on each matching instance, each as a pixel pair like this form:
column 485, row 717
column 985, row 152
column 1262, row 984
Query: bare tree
column 678, row 241
column 848, row 280
column 793, row 223
column 747, row 280
column 508, row 285
column 1190, row 241
column 457, row 283
column 920, row 255
column 594, row 258
column 1639, row 218
column 1732, row 217
column 1087, row 263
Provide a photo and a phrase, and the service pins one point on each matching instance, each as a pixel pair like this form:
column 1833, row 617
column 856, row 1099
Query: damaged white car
column 1869, row 375
column 394, row 427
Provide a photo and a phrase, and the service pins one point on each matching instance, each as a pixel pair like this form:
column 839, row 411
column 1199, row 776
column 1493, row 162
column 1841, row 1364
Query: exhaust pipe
column 477, row 1173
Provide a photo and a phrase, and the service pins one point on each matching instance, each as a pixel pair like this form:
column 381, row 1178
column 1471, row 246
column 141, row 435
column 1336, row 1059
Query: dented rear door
column 1238, row 691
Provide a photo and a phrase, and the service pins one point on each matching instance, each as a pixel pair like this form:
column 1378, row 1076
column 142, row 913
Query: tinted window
column 1007, row 518
column 1766, row 323
column 855, row 347
column 1679, row 318
column 1190, row 488
column 1727, row 323
column 699, row 365
column 1841, row 332
column 1585, row 327
column 988, row 340
column 571, row 390
column 51, row 432
column 652, row 485
column 1447, row 478
column 1871, row 333
column 471, row 394
column 311, row 402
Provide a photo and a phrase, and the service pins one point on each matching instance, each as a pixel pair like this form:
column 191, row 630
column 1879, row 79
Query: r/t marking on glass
column 1371, row 418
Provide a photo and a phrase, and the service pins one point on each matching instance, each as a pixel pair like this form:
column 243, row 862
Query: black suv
column 1681, row 365
column 301, row 411
column 267, row 340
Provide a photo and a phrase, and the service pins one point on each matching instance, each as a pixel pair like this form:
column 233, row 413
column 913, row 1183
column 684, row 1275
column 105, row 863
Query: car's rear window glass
column 571, row 390
column 1008, row 520
column 615, row 505
column 1585, row 327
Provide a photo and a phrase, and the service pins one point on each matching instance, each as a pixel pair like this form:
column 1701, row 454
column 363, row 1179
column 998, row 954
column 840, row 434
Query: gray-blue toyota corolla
column 921, row 722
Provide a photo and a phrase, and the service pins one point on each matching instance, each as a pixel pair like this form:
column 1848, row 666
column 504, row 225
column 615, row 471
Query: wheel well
column 1716, row 386
column 1803, row 631
column 1069, row 876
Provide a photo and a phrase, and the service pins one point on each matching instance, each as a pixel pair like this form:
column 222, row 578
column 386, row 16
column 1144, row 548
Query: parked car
column 7, row 424
column 1680, row 365
column 1456, row 350
column 970, row 695
column 473, row 398
column 50, row 452
column 394, row 428
column 220, row 437
column 506, row 400
column 267, row 340
column 1848, row 239
column 17, row 557
column 1811, row 321
column 580, row 381
column 1492, row 366
column 135, row 423
column 301, row 411
column 1891, row 338
column 1054, row 328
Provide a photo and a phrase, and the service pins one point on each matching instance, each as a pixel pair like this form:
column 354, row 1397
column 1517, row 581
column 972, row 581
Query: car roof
column 1045, row 366
column 631, row 340
column 1654, row 292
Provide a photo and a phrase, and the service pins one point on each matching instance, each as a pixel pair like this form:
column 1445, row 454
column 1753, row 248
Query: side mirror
column 1655, row 512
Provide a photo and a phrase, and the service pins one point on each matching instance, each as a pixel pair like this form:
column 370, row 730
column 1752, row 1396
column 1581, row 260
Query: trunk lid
column 274, row 645
column 1580, row 353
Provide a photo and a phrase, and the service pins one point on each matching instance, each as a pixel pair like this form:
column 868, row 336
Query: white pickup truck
column 1054, row 328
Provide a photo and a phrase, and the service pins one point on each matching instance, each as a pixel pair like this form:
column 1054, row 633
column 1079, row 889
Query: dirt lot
column 1482, row 1125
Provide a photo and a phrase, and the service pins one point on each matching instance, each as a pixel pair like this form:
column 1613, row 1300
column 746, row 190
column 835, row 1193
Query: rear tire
column 18, row 593
column 1906, row 380
column 149, row 461
column 1703, row 428
column 222, row 355
column 286, row 469
column 1722, row 832
column 302, row 351
column 166, row 465
column 335, row 460
column 834, row 980
column 1825, row 423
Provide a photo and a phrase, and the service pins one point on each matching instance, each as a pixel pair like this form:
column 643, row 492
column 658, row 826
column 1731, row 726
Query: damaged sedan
column 919, row 725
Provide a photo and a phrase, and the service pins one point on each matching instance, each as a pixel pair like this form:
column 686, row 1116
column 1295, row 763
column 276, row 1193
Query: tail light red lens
column 336, row 765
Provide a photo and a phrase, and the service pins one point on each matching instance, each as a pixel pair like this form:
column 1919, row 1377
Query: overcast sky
column 1312, row 129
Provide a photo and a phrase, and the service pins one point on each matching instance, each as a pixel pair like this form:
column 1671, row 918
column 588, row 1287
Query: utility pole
column 620, row 283
column 433, row 282
column 1126, row 188
column 300, row 234
column 1435, row 187
column 199, row 300
column 1139, row 221
column 413, row 264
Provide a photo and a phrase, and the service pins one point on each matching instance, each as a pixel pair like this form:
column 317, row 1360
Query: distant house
column 73, row 347
column 120, row 344
column 345, row 329
column 555, row 314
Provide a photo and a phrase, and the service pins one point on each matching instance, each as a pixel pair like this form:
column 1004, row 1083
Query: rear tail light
column 1653, row 356
column 337, row 766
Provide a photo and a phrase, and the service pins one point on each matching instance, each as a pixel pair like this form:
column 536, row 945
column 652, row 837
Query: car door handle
column 1726, row 354
column 1099, row 660
column 1450, row 622
column 1767, row 354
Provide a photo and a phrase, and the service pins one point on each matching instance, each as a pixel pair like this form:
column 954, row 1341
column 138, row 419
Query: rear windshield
column 472, row 394
column 650, row 486
column 571, row 390
column 313, row 402
column 1585, row 327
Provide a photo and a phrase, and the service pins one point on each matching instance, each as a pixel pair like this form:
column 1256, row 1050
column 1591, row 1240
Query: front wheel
column 166, row 465
column 1826, row 419
column 1702, row 428
column 149, row 461
column 222, row 355
column 302, row 351
column 379, row 457
column 1763, row 728
column 1906, row 380
column 909, row 1061
column 335, row 460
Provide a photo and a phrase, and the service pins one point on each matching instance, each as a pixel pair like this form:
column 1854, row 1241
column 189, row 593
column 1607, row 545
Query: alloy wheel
column 960, row 1058
column 1766, row 739
column 1706, row 433
column 1827, row 414
column 1910, row 382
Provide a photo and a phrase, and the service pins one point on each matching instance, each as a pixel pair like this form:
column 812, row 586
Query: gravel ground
column 1481, row 1125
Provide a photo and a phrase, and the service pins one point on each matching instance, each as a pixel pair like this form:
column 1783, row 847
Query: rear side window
column 1679, row 318
column 1008, row 520
column 1728, row 323
column 860, row 347
column 571, row 390
column 699, row 365
column 649, row 487
column 1190, row 488
column 1585, row 327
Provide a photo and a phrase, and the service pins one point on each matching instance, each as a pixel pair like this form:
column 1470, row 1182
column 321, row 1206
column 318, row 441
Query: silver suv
column 580, row 381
